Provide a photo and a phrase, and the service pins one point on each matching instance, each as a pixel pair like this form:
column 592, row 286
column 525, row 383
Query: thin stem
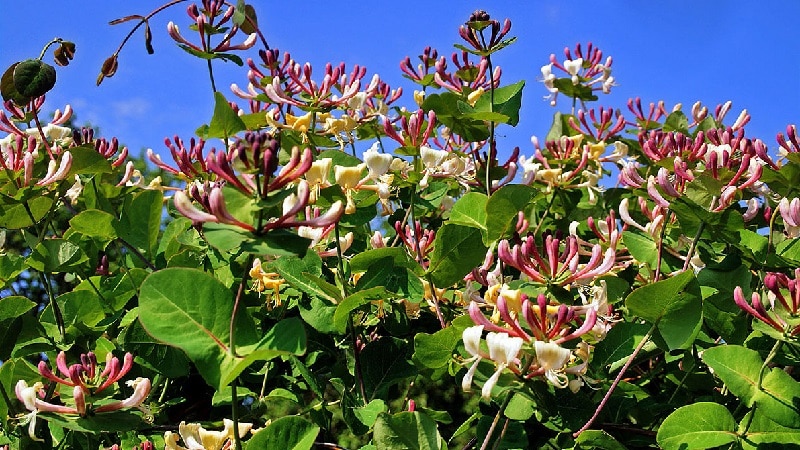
column 772, row 353
column 57, row 40
column 144, row 21
column 236, row 302
column 56, row 309
column 617, row 380
column 661, row 247
column 211, row 75
column 546, row 212
column 237, row 441
column 357, row 358
column 502, row 434
column 136, row 252
column 690, row 253
column 340, row 261
column 495, row 421
column 41, row 132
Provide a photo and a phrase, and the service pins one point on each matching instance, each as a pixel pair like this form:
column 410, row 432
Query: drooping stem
column 57, row 40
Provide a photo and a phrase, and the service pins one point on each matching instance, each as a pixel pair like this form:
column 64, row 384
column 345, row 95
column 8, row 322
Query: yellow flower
column 549, row 176
column 348, row 178
column 596, row 150
column 419, row 97
column 299, row 123
column 266, row 280
column 473, row 96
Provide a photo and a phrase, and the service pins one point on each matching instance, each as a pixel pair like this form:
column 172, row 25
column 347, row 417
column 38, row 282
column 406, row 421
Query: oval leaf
column 698, row 426
column 33, row 78
column 286, row 433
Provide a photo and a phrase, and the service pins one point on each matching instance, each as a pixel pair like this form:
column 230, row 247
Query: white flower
column 503, row 350
column 377, row 163
column 552, row 358
column 573, row 66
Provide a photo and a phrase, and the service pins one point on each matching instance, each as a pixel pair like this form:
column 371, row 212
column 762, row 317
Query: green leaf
column 435, row 350
column 677, row 121
column 675, row 304
column 140, row 221
column 719, row 312
column 287, row 337
column 191, row 310
column 591, row 439
column 286, row 433
column 384, row 363
column 642, row 247
column 94, row 223
column 355, row 301
column 470, row 211
column 87, row 161
column 507, row 101
column 369, row 414
column 457, row 250
column 758, row 431
column 34, row 78
column 739, row 368
column 230, row 238
column 14, row 214
column 406, row 431
column 164, row 359
column 363, row 261
column 225, row 123
column 520, row 407
column 14, row 306
column 697, row 426
column 578, row 91
column 618, row 345
column 56, row 255
column 294, row 271
column 7, row 88
column 115, row 421
column 503, row 208
column 447, row 112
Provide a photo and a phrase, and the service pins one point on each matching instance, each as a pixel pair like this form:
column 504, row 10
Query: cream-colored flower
column 195, row 437
column 377, row 163
column 552, row 358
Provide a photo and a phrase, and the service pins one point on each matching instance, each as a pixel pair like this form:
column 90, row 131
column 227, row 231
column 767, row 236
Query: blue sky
column 676, row 51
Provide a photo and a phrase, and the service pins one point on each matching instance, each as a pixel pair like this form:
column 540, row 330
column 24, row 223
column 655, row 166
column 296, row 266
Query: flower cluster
column 86, row 380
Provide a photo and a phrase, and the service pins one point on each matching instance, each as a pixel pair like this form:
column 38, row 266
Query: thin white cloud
column 133, row 107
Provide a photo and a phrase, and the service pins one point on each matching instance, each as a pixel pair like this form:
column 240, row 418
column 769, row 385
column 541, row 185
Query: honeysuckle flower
column 74, row 192
column 378, row 164
column 342, row 126
column 773, row 318
column 553, row 265
column 141, row 389
column 86, row 374
column 503, row 350
column 656, row 216
column 572, row 67
column 551, row 359
column 348, row 178
column 413, row 135
column 195, row 437
column 318, row 173
column 54, row 134
column 266, row 281
column 57, row 171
